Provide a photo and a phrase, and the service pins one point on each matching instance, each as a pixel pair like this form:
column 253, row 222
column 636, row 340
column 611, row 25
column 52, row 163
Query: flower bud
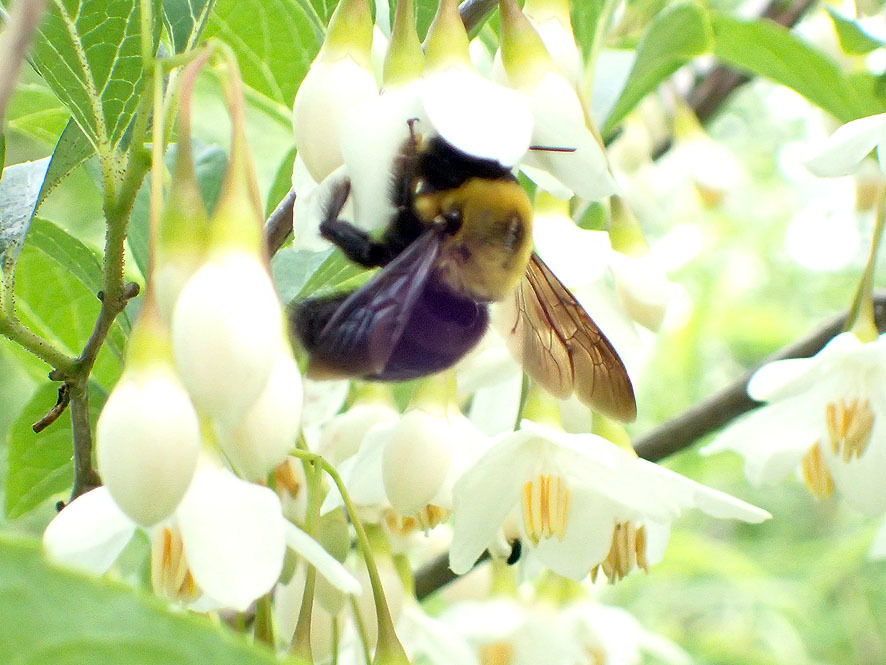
column 226, row 329
column 342, row 436
column 340, row 79
column 267, row 432
column 148, row 434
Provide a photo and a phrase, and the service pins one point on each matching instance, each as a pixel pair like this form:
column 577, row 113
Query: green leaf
column 282, row 182
column 39, row 465
column 336, row 273
column 73, row 148
column 275, row 42
column 584, row 17
column 292, row 268
column 854, row 39
column 64, row 618
column 19, row 188
column 35, row 110
column 72, row 255
column 767, row 49
column 209, row 161
column 89, row 53
column 184, row 20
column 677, row 34
column 57, row 306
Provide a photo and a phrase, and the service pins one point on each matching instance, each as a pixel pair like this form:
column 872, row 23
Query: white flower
column 825, row 415
column 227, row 328
column 262, row 439
column 584, row 502
column 229, row 536
column 147, row 442
column 343, row 435
column 851, row 143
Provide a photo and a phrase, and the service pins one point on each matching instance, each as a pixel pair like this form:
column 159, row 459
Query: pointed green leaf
column 184, row 20
column 275, row 42
column 336, row 273
column 35, row 110
column 39, row 465
column 64, row 618
column 767, row 49
column 677, row 34
column 73, row 148
column 89, row 53
column 854, row 39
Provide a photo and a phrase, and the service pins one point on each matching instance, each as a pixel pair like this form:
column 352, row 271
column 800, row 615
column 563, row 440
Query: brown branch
column 279, row 224
column 61, row 403
column 85, row 476
column 474, row 12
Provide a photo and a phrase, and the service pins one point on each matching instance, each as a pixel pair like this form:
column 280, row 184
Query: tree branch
column 85, row 476
column 279, row 224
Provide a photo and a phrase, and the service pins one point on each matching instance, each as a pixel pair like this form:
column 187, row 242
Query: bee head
column 488, row 227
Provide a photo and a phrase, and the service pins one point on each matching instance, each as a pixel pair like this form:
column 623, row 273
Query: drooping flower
column 223, row 547
column 824, row 415
column 583, row 502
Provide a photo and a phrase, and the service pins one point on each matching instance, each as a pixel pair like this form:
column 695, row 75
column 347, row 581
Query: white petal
column 773, row 439
column 846, row 147
column 878, row 546
column 477, row 116
column 657, row 536
column 575, row 255
column 547, row 182
column 343, row 435
column 695, row 495
column 585, row 171
column 89, row 533
column 588, row 535
column 323, row 561
column 372, row 139
column 860, row 480
column 484, row 496
column 494, row 408
column 233, row 536
column 423, row 635
column 780, row 379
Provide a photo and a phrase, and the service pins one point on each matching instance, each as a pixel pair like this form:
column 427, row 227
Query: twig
column 279, row 224
column 473, row 12
column 23, row 21
column 61, row 403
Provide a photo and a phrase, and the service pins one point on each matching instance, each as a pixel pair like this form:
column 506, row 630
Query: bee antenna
column 550, row 148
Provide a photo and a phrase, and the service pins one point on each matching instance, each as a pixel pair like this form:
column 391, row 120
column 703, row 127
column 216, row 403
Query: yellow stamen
column 287, row 479
column 431, row 515
column 545, row 505
column 628, row 551
column 427, row 518
column 849, row 427
column 497, row 653
column 170, row 575
column 816, row 475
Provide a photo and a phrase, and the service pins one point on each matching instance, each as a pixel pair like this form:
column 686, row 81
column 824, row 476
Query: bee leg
column 354, row 242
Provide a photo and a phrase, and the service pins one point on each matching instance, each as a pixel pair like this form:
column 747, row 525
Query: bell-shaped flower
column 843, row 151
column 558, row 115
column 825, row 415
column 148, row 434
column 343, row 435
column 340, row 79
column 223, row 547
column 267, row 432
column 584, row 502
column 227, row 327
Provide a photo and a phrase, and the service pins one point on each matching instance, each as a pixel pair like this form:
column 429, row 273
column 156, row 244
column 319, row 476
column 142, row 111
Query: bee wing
column 561, row 347
column 361, row 335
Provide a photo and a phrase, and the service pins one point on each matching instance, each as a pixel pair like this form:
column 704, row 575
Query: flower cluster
column 208, row 363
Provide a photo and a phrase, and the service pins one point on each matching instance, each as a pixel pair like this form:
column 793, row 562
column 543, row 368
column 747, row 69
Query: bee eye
column 452, row 218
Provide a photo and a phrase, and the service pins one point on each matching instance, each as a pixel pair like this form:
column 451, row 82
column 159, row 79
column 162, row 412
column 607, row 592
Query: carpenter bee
column 461, row 238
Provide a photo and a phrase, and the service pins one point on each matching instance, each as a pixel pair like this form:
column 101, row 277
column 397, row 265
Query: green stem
column 361, row 630
column 600, row 29
column 12, row 328
column 386, row 630
column 264, row 624
column 524, row 395
column 861, row 318
column 301, row 643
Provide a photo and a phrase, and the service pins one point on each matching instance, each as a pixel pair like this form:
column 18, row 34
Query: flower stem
column 301, row 643
column 361, row 630
column 264, row 625
column 861, row 320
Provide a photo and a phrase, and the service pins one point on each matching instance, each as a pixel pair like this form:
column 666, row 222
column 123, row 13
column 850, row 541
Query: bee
column 460, row 239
